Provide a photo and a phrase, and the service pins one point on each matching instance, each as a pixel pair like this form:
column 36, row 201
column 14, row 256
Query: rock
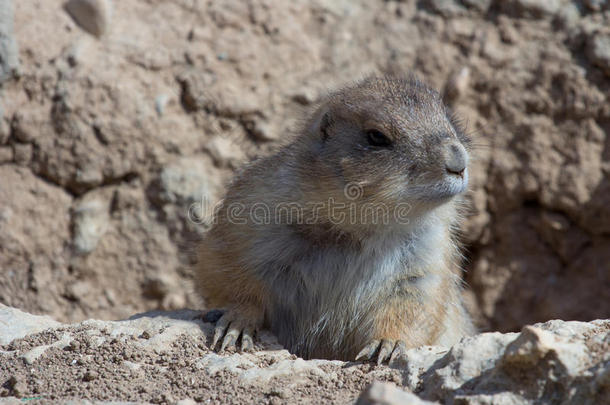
column 557, row 361
column 94, row 16
column 479, row 5
column 223, row 151
column 217, row 94
column 213, row 364
column 416, row 361
column 570, row 329
column 471, row 357
column 164, row 289
column 569, row 16
column 263, row 130
column 501, row 398
column 185, row 181
column 305, row 96
column 90, row 220
column 22, row 153
column 447, row 8
column 90, row 375
column 79, row 291
column 6, row 154
column 15, row 324
column 515, row 368
column 22, row 128
column 75, row 52
column 457, row 84
column 5, row 130
column 160, row 103
column 186, row 401
column 17, row 386
column 187, row 192
column 296, row 369
column 380, row 393
column 158, row 287
column 597, row 5
column 598, row 51
column 34, row 354
column 533, row 345
column 532, row 8
column 79, row 153
column 9, row 53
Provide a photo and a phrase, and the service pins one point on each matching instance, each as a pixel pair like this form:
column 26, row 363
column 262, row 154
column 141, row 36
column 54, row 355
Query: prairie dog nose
column 456, row 158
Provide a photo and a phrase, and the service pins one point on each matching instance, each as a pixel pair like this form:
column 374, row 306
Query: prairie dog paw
column 383, row 349
column 230, row 327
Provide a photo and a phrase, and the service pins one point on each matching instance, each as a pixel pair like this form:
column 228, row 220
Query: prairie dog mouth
column 456, row 184
column 448, row 186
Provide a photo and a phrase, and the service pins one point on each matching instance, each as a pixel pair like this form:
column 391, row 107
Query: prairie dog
column 342, row 242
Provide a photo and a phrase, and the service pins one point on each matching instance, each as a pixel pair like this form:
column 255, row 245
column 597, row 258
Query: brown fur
column 328, row 287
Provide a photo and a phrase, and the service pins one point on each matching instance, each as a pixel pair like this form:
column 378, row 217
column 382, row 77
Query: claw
column 247, row 342
column 399, row 351
column 385, row 350
column 228, row 330
column 220, row 329
column 368, row 351
column 231, row 336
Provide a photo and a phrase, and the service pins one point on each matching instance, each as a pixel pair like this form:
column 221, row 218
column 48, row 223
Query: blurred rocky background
column 116, row 117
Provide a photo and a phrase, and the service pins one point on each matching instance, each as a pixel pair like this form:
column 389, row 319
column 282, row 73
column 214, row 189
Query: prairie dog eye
column 378, row 139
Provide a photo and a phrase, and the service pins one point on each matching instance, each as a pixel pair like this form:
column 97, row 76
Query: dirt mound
column 107, row 141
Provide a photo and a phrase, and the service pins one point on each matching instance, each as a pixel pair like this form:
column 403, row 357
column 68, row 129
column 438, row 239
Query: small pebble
column 90, row 375
column 160, row 103
column 91, row 15
column 599, row 51
column 456, row 85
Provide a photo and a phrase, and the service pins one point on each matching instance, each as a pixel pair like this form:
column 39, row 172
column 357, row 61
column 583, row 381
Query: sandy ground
column 164, row 357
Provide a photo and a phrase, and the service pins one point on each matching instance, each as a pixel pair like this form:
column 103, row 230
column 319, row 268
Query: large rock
column 561, row 362
column 16, row 324
column 388, row 394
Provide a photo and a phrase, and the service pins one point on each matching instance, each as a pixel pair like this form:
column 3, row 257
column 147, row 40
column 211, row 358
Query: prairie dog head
column 393, row 140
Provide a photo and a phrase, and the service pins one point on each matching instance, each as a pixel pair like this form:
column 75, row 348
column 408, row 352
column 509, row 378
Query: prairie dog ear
column 321, row 123
column 324, row 126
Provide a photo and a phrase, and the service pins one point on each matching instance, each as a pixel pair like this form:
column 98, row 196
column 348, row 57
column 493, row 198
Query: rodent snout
column 456, row 159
